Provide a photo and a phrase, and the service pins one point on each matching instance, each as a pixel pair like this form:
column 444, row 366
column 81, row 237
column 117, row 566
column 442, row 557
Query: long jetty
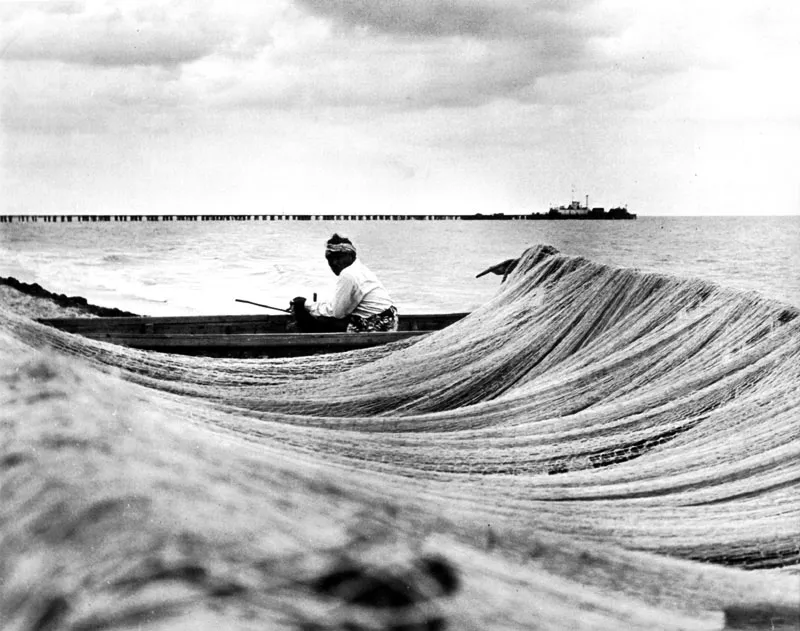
column 280, row 217
column 284, row 217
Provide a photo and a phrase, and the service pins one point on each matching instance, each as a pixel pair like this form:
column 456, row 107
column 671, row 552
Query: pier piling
column 613, row 214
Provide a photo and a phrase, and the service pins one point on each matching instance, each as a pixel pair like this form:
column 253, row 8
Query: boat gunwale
column 214, row 335
column 95, row 323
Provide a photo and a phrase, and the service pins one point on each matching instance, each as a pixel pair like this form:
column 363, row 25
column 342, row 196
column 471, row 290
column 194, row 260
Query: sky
column 670, row 107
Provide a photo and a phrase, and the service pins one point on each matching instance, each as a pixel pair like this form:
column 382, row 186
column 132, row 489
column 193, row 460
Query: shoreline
column 33, row 300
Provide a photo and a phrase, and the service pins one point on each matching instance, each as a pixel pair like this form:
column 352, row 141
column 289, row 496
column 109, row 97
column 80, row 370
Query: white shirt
column 358, row 291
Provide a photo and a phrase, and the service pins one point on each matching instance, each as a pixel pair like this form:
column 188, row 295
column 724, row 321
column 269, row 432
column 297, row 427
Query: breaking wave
column 593, row 448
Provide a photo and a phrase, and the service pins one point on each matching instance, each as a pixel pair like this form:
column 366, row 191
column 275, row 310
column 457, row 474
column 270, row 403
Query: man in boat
column 359, row 297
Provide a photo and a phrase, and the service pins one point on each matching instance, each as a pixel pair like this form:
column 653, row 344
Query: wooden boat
column 241, row 335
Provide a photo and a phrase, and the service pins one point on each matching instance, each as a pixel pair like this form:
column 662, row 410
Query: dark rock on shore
column 77, row 302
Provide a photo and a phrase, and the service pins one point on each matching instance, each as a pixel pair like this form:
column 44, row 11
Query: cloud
column 471, row 18
column 445, row 55
column 374, row 72
column 555, row 36
column 85, row 65
column 333, row 53
column 111, row 34
column 13, row 10
column 470, row 52
column 58, row 98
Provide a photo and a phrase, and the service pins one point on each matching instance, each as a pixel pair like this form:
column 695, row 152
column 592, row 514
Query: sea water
column 201, row 268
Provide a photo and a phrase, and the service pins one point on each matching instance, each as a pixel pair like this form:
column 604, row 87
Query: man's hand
column 504, row 268
column 299, row 304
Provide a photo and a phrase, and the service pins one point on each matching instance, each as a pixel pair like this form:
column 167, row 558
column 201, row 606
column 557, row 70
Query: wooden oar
column 258, row 304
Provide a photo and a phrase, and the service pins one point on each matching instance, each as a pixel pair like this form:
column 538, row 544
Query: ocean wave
column 116, row 259
column 592, row 448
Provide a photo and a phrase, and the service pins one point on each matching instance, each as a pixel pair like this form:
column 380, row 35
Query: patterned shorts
column 384, row 321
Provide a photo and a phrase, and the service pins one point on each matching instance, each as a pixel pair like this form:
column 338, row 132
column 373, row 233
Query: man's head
column 340, row 253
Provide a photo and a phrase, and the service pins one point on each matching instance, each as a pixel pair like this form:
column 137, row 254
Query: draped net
column 593, row 448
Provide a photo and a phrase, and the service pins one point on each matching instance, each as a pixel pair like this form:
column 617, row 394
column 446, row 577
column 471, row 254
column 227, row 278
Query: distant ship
column 576, row 210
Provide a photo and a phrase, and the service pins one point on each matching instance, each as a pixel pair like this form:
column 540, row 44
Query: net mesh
column 593, row 448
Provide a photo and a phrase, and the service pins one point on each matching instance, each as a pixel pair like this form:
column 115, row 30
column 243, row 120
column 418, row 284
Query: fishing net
column 592, row 448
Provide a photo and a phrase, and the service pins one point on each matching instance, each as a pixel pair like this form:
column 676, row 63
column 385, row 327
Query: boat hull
column 237, row 336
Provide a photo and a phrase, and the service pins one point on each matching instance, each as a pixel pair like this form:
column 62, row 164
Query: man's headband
column 338, row 248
